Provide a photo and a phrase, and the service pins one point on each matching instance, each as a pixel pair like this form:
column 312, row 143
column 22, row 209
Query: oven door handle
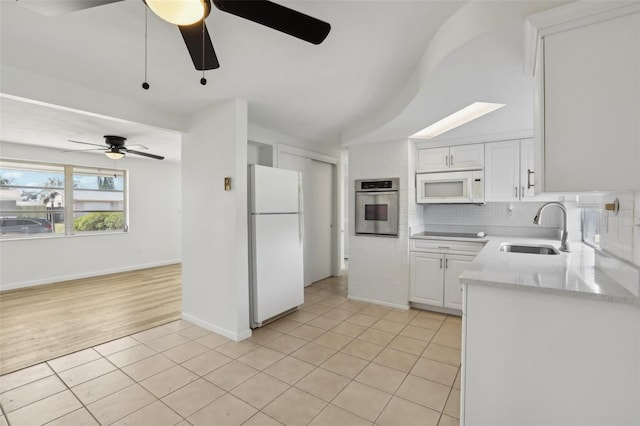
column 376, row 192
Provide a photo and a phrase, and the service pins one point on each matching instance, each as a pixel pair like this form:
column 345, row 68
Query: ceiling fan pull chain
column 203, row 80
column 145, row 85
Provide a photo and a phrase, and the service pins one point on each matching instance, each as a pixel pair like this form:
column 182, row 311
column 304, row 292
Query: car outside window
column 40, row 199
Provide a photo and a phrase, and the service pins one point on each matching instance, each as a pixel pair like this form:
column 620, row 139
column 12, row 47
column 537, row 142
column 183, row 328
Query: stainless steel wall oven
column 376, row 207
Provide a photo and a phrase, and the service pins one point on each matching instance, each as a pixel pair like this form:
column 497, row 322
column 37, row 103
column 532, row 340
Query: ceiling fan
column 115, row 148
column 189, row 16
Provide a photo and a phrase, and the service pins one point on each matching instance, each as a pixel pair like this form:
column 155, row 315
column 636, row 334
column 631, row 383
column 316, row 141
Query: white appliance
column 275, row 243
column 450, row 187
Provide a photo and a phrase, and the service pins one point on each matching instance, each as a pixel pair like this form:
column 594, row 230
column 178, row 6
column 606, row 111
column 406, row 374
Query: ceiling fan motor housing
column 116, row 149
column 115, row 141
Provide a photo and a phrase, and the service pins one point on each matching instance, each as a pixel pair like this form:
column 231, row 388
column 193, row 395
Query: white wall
column 41, row 88
column 636, row 231
column 618, row 235
column 154, row 237
column 415, row 211
column 271, row 137
column 215, row 270
column 346, row 214
column 379, row 266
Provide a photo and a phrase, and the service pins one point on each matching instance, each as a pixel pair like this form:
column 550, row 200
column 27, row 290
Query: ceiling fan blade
column 82, row 150
column 138, row 146
column 193, row 38
column 60, row 7
column 278, row 17
column 88, row 143
column 145, row 154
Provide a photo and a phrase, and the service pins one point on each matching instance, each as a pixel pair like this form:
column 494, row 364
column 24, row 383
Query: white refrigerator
column 275, row 238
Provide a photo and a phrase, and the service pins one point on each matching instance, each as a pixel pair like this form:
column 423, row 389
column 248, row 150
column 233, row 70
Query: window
column 591, row 221
column 49, row 199
column 98, row 200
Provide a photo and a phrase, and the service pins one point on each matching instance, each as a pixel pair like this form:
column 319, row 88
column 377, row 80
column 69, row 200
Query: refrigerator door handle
column 300, row 210
column 301, row 228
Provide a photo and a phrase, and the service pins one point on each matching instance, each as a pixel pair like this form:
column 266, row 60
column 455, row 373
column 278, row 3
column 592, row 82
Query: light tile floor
column 332, row 362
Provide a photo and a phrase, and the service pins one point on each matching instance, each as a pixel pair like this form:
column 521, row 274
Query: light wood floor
column 43, row 322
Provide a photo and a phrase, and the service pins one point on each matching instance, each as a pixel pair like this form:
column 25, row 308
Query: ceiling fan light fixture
column 179, row 12
column 114, row 153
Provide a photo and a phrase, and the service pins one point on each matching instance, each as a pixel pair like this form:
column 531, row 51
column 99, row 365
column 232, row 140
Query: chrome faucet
column 564, row 245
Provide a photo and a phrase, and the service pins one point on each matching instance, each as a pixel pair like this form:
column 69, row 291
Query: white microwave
column 450, row 187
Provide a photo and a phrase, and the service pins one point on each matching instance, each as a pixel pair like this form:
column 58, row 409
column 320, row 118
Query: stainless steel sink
column 528, row 248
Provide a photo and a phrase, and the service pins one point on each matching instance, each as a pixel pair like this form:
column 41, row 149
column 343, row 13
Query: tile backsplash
column 504, row 218
column 619, row 231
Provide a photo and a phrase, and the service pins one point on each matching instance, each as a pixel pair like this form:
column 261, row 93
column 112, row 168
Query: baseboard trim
column 236, row 337
column 51, row 280
column 379, row 302
column 438, row 309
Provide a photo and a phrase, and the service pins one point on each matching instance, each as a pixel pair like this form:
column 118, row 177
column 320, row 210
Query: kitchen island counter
column 549, row 339
column 570, row 274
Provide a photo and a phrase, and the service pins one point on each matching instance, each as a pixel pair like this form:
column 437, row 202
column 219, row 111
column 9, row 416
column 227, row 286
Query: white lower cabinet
column 434, row 274
column 454, row 267
column 537, row 358
column 427, row 278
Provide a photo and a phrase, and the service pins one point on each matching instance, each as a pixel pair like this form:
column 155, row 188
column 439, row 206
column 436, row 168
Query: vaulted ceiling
column 387, row 68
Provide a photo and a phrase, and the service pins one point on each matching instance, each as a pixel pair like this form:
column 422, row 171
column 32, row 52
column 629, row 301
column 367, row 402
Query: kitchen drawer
column 446, row 246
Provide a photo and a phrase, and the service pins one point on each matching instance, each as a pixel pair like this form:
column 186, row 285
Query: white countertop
column 569, row 274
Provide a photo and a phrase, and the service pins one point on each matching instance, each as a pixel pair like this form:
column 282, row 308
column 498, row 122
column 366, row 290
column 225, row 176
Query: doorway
column 317, row 187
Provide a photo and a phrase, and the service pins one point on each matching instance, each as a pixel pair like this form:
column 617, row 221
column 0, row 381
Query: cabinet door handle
column 516, row 192
column 446, row 160
column 446, row 264
column 522, row 191
column 529, row 173
column 440, row 263
column 443, row 247
column 451, row 160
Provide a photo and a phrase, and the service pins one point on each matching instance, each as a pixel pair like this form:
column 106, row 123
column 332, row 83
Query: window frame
column 587, row 215
column 68, row 189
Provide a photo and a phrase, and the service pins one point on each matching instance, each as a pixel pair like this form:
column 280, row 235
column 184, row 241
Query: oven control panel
column 377, row 185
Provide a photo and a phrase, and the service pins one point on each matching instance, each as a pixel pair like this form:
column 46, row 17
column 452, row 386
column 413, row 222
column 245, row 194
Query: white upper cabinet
column 457, row 157
column 527, row 169
column 509, row 173
column 466, row 157
column 502, row 171
column 433, row 159
column 587, row 125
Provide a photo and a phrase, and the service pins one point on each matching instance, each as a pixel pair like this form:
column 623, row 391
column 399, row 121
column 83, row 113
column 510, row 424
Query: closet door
column 321, row 215
column 317, row 187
